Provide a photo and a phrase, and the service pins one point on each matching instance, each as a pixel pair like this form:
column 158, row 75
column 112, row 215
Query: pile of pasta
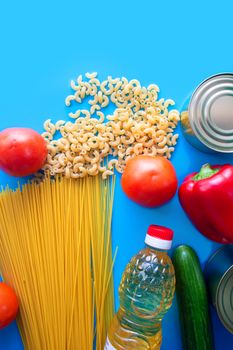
column 97, row 143
column 185, row 122
column 55, row 251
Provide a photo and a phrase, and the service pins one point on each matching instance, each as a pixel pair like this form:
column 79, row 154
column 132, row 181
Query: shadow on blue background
column 175, row 44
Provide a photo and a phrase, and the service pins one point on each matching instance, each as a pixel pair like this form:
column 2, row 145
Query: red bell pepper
column 207, row 199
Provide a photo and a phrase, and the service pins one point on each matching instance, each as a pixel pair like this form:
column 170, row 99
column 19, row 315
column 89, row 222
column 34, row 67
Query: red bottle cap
column 159, row 237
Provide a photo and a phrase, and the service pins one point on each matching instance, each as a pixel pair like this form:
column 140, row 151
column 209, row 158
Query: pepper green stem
column 205, row 172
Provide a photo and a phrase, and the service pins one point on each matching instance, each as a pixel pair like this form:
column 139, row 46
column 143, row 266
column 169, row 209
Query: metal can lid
column 224, row 300
column 211, row 112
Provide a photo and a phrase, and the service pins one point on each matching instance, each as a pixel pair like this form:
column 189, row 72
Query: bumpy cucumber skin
column 192, row 300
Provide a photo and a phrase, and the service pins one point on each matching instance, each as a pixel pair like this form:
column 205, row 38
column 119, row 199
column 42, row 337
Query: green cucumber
column 192, row 300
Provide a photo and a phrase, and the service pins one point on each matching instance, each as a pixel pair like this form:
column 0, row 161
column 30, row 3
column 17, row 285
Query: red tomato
column 8, row 305
column 22, row 151
column 149, row 181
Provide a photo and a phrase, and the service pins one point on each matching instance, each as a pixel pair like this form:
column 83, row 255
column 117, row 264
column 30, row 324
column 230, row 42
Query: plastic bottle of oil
column 145, row 293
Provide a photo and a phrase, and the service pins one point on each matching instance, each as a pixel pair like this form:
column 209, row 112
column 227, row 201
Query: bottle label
column 108, row 345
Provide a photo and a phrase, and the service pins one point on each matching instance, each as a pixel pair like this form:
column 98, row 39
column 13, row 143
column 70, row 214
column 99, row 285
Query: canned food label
column 108, row 345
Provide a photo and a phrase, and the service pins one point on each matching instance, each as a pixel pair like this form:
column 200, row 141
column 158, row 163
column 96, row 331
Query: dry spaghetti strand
column 55, row 250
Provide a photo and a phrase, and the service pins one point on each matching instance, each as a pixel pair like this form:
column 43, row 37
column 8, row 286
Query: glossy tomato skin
column 8, row 305
column 22, row 151
column 149, row 181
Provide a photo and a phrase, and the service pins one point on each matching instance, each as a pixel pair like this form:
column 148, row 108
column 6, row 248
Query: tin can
column 219, row 277
column 207, row 123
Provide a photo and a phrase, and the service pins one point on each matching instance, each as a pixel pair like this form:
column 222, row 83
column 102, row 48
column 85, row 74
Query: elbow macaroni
column 140, row 124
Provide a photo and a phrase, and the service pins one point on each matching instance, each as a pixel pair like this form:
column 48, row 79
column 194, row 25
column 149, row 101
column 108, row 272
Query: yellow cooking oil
column 145, row 294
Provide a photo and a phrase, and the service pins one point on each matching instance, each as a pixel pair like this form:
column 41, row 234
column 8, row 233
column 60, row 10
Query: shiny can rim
column 220, row 301
column 203, row 127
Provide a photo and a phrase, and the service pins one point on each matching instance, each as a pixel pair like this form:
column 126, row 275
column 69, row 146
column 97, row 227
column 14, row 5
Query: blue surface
column 175, row 44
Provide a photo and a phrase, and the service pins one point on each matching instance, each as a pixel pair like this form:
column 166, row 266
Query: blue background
column 175, row 44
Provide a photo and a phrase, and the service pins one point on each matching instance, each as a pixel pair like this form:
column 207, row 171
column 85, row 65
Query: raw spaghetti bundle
column 55, row 250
